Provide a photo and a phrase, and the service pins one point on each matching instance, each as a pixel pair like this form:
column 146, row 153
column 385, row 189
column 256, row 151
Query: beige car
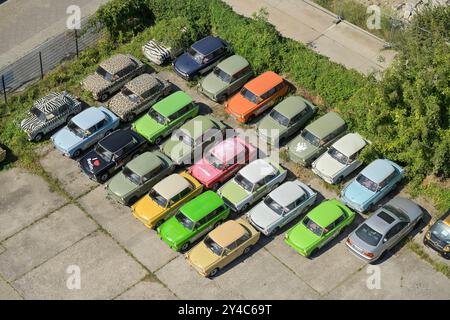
column 221, row 246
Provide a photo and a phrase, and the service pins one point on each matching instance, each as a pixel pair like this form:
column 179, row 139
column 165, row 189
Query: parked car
column 226, row 78
column 111, row 154
column 438, row 237
column 384, row 229
column 165, row 198
column 159, row 53
column 257, row 96
column 222, row 162
column 252, row 183
column 285, row 119
column 341, row 158
column 139, row 176
column 84, row 130
column 49, row 113
column 191, row 140
column 221, row 246
column 165, row 116
column 281, row 206
column 315, row 138
column 373, row 183
column 193, row 220
column 139, row 95
column 201, row 57
column 112, row 74
column 321, row 225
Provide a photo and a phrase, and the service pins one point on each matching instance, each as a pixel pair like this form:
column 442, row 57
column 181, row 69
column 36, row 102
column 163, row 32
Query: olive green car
column 139, row 176
column 285, row 119
column 315, row 138
column 226, row 78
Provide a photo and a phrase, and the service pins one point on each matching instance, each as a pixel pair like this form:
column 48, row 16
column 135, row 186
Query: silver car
column 281, row 206
column 384, row 229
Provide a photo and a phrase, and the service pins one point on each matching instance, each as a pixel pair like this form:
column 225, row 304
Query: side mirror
column 385, row 240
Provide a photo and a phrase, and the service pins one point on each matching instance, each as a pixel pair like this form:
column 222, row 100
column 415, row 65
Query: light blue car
column 372, row 184
column 84, row 130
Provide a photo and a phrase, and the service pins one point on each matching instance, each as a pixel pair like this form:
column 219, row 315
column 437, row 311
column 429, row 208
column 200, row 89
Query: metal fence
column 45, row 57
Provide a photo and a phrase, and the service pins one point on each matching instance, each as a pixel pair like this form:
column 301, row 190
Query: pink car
column 222, row 162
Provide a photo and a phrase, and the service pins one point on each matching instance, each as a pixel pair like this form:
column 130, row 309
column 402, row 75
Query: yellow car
column 221, row 246
column 165, row 198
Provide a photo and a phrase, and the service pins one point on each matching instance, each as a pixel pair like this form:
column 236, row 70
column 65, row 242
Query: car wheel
column 247, row 250
column 223, row 98
column 276, row 185
column 69, row 118
column 104, row 96
column 215, row 186
column 213, row 273
column 314, row 253
column 218, row 223
column 38, row 137
column 132, row 201
column 107, row 133
column 158, row 224
column 245, row 208
column 185, row 247
column 77, row 153
column 158, row 140
column 104, row 177
column 339, row 179
column 130, row 117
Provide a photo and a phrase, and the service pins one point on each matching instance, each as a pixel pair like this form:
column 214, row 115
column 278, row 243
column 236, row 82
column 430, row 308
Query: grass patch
column 438, row 266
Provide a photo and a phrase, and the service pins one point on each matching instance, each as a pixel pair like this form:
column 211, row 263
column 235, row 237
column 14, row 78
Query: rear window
column 368, row 235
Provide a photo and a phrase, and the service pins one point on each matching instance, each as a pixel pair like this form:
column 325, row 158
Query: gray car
column 384, row 229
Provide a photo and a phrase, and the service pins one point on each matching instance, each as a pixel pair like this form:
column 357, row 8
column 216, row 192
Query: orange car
column 256, row 96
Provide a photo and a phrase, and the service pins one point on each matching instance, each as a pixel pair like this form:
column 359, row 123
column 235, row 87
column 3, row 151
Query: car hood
column 356, row 193
column 263, row 216
column 176, row 150
column 234, row 192
column 148, row 127
column 302, row 148
column 147, row 209
column 186, row 64
column 240, row 105
column 328, row 166
column 66, row 139
column 267, row 127
column 120, row 104
column 302, row 237
column 31, row 123
column 121, row 186
column 204, row 172
column 95, row 83
column 173, row 231
column 202, row 257
column 92, row 162
column 213, row 84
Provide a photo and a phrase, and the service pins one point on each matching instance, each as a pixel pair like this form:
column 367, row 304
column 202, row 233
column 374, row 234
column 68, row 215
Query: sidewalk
column 313, row 25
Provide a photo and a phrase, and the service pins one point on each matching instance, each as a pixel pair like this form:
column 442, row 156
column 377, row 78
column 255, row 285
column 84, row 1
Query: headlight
column 428, row 235
column 447, row 248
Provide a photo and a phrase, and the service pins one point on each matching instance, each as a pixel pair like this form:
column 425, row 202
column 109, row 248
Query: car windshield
column 213, row 246
column 130, row 95
column 155, row 115
column 442, row 231
column 278, row 117
column 103, row 152
column 198, row 57
column 159, row 199
column 250, row 96
column 72, row 126
column 312, row 226
column 182, row 136
column 337, row 155
column 275, row 206
column 104, row 74
column 38, row 114
column 368, row 235
column 222, row 75
column 312, row 139
column 366, row 182
column 215, row 162
column 132, row 176
column 185, row 221
column 243, row 182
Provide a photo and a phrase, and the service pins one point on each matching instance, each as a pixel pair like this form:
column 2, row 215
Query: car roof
column 227, row 233
column 53, row 101
column 257, row 170
column 350, row 144
column 287, row 193
column 117, row 140
column 326, row 213
column 116, row 63
column 143, row 83
column 378, row 170
column 202, row 205
column 233, row 64
column 208, row 45
column 325, row 125
column 191, row 127
column 291, row 106
column 264, row 82
column 171, row 186
column 228, row 149
column 144, row 163
column 172, row 103
column 89, row 117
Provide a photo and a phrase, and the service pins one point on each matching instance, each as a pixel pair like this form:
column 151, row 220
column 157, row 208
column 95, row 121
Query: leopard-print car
column 139, row 95
column 112, row 74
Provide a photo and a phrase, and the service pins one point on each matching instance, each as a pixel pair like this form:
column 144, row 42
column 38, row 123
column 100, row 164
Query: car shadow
column 9, row 158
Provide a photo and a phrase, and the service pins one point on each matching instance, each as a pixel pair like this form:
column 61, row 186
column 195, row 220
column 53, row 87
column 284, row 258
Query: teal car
column 194, row 219
column 321, row 225
column 165, row 116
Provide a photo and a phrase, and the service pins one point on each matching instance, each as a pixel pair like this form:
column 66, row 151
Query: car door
column 266, row 101
column 394, row 235
column 333, row 230
column 384, row 187
column 260, row 190
column 230, row 253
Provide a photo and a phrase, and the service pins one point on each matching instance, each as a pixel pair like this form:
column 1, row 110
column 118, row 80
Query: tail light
column 349, row 242
column 368, row 254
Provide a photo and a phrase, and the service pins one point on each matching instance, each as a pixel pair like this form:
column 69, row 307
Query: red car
column 222, row 162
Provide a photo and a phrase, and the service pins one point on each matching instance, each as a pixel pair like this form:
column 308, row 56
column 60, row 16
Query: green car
column 315, row 138
column 285, row 119
column 139, row 176
column 165, row 116
column 227, row 78
column 319, row 226
column 194, row 219
column 188, row 144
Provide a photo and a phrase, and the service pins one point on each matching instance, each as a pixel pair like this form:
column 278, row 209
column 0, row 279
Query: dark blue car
column 201, row 57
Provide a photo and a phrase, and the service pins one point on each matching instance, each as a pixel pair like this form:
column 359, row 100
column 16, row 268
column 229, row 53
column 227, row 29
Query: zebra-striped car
column 49, row 113
column 158, row 54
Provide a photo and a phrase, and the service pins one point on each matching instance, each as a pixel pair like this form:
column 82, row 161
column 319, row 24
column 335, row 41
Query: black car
column 201, row 57
column 111, row 154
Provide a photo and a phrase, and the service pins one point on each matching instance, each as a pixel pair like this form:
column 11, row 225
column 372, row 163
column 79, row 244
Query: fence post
column 4, row 88
column 42, row 68
column 76, row 42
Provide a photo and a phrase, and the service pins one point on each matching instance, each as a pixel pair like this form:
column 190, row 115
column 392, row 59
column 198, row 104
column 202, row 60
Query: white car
column 281, row 206
column 341, row 158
